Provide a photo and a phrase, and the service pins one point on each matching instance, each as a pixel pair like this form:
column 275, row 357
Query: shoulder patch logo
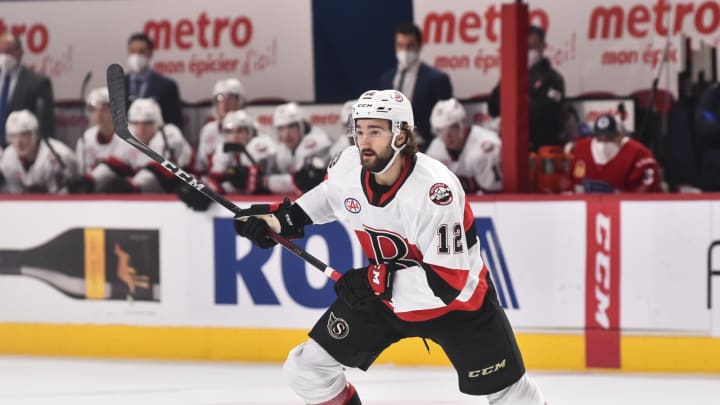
column 352, row 205
column 398, row 97
column 440, row 194
column 337, row 327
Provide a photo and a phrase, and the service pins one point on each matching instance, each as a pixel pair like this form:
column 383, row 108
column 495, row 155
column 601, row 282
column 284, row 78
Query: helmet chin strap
column 395, row 153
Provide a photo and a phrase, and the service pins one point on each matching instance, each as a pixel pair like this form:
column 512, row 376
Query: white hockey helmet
column 97, row 96
column 145, row 110
column 239, row 119
column 21, row 121
column 446, row 113
column 389, row 105
column 229, row 86
column 288, row 113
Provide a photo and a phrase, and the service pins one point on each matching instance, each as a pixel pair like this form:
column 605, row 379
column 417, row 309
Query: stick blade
column 116, row 88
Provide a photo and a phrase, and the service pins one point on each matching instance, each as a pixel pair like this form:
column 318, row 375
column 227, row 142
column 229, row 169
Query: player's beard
column 376, row 162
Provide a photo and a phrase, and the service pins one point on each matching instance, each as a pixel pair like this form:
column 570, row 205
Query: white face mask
column 137, row 62
column 534, row 57
column 604, row 152
column 406, row 58
column 7, row 62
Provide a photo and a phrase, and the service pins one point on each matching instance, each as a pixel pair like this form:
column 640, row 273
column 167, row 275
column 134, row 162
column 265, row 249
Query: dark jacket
column 431, row 86
column 165, row 91
column 34, row 92
column 707, row 127
column 547, row 112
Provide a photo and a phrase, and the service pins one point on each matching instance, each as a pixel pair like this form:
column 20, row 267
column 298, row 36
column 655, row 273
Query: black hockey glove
column 243, row 178
column 194, row 199
column 310, row 175
column 81, row 185
column 291, row 218
column 359, row 288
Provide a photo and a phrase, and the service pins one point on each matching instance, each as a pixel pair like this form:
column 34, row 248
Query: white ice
column 62, row 381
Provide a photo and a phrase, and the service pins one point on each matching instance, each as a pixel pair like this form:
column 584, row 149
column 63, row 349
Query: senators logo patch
column 337, row 327
column 440, row 194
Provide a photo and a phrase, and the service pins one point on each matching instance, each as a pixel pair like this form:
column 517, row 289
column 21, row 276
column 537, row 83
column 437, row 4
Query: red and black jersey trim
column 441, row 288
column 471, row 236
column 380, row 196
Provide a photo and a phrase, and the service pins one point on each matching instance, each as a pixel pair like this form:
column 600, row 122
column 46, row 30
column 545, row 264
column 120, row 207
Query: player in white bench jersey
column 30, row 164
column 302, row 154
column 470, row 151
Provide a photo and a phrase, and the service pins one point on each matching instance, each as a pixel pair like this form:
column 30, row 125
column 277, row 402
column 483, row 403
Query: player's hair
column 140, row 36
column 411, row 147
column 538, row 32
column 408, row 28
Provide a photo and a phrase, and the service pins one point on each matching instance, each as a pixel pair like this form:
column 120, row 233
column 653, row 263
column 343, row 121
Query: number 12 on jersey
column 457, row 235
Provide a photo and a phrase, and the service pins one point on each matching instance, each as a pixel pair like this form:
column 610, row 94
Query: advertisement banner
column 212, row 277
column 592, row 43
column 98, row 262
column 602, row 289
column 196, row 43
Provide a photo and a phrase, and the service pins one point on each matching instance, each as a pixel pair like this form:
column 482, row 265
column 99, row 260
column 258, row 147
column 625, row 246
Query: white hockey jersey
column 209, row 139
column 479, row 159
column 315, row 144
column 92, row 149
column 261, row 147
column 45, row 174
column 422, row 224
column 126, row 161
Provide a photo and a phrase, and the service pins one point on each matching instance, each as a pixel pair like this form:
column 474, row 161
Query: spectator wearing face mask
column 142, row 81
column 547, row 94
column 23, row 89
column 613, row 162
column 420, row 82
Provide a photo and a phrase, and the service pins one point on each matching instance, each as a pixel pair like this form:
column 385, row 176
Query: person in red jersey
column 610, row 161
column 426, row 276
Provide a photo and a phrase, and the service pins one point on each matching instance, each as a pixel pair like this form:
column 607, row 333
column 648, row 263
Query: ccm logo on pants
column 487, row 370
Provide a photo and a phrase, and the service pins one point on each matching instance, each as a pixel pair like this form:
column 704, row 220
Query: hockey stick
column 116, row 88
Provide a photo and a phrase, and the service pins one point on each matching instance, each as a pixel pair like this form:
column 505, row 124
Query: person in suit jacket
column 23, row 89
column 143, row 82
column 421, row 83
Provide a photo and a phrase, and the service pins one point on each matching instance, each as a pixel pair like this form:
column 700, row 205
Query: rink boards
column 588, row 282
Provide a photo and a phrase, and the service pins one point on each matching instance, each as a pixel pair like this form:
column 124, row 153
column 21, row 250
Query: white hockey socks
column 314, row 375
column 524, row 392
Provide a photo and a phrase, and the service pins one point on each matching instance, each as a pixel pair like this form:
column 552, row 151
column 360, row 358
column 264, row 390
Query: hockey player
column 611, row 161
column 426, row 276
column 228, row 95
column 98, row 141
column 246, row 154
column 128, row 170
column 302, row 154
column 29, row 164
column 471, row 152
